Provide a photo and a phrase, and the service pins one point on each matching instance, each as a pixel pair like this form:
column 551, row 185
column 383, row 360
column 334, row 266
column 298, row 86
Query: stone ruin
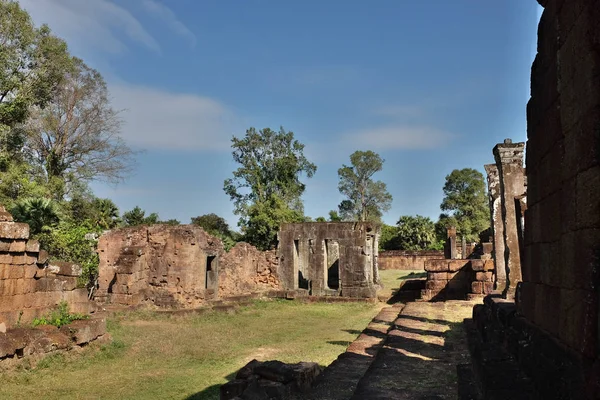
column 330, row 258
column 546, row 343
column 31, row 287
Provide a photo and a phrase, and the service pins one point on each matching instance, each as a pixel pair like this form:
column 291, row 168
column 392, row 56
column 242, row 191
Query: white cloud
column 399, row 137
column 156, row 119
column 170, row 19
column 97, row 23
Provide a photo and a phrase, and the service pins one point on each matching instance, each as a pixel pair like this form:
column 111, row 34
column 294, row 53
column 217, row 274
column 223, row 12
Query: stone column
column 509, row 160
column 450, row 247
column 493, row 181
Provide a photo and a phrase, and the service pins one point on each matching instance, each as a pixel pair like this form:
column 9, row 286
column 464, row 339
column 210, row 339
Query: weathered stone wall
column 407, row 260
column 554, row 334
column 29, row 287
column 165, row 265
column 244, row 269
column 309, row 259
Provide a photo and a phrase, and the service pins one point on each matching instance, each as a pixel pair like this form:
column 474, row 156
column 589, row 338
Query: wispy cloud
column 170, row 19
column 98, row 23
column 156, row 119
column 399, row 137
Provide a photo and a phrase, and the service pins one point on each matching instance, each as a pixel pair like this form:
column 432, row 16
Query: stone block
column 457, row 265
column 436, row 265
column 5, row 216
column 478, row 265
column 5, row 245
column 577, row 320
column 484, row 276
column 488, row 265
column 84, row 331
column 487, row 247
column 477, row 287
column 435, row 285
column 14, row 230
column 579, row 259
column 19, row 258
column 5, row 258
column 437, row 276
column 42, row 257
column 488, row 287
column 588, row 193
column 18, row 246
column 64, row 268
column 32, row 246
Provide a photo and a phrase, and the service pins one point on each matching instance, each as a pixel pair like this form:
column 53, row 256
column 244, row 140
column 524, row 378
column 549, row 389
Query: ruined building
column 546, row 344
column 330, row 258
column 29, row 286
column 160, row 264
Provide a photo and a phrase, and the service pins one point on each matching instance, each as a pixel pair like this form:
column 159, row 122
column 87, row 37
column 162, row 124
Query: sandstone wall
column 407, row 260
column 160, row 264
column 330, row 258
column 245, row 269
column 29, row 287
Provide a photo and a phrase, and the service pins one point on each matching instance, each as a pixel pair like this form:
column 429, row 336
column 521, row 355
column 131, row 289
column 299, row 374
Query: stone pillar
column 450, row 247
column 497, row 225
column 509, row 160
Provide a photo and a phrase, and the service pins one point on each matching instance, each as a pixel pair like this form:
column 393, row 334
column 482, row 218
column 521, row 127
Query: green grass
column 392, row 279
column 156, row 356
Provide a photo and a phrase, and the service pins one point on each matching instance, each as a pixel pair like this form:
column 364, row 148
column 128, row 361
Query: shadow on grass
column 414, row 275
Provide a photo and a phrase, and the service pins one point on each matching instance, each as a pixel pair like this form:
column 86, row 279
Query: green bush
column 67, row 242
column 59, row 317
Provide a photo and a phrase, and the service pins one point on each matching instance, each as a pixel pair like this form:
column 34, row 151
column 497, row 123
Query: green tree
column 172, row 222
column 415, row 232
column 321, row 219
column 137, row 216
column 366, row 199
column 334, row 216
column 217, row 226
column 40, row 213
column 266, row 189
column 389, row 238
column 32, row 63
column 75, row 137
column 466, row 203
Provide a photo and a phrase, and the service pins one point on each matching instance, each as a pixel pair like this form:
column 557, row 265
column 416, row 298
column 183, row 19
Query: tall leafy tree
column 266, row 189
column 466, row 203
column 75, row 137
column 415, row 232
column 366, row 199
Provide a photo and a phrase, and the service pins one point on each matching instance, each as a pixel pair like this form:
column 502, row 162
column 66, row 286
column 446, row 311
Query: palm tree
column 40, row 213
column 107, row 213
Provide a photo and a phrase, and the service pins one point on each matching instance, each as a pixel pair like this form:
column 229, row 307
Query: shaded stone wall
column 308, row 252
column 245, row 269
column 29, row 287
column 553, row 335
column 407, row 260
column 164, row 265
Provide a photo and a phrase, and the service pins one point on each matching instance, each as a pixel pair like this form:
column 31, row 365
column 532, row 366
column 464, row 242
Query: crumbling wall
column 244, row 269
column 306, row 262
column 174, row 266
column 407, row 260
column 29, row 287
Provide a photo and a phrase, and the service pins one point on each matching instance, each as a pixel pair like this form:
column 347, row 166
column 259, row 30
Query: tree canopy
column 366, row 199
column 266, row 189
column 466, row 203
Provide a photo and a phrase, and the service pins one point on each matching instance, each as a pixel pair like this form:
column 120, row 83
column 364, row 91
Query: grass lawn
column 164, row 357
column 392, row 279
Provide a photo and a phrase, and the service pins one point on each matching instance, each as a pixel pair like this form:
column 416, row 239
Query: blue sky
column 431, row 85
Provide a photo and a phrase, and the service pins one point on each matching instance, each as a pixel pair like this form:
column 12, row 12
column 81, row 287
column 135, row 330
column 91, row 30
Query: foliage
column 68, row 242
column 334, row 216
column 366, row 199
column 41, row 214
column 415, row 233
column 320, row 219
column 137, row 216
column 389, row 238
column 217, row 226
column 32, row 64
column 172, row 222
column 466, row 201
column 75, row 137
column 266, row 189
column 59, row 317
